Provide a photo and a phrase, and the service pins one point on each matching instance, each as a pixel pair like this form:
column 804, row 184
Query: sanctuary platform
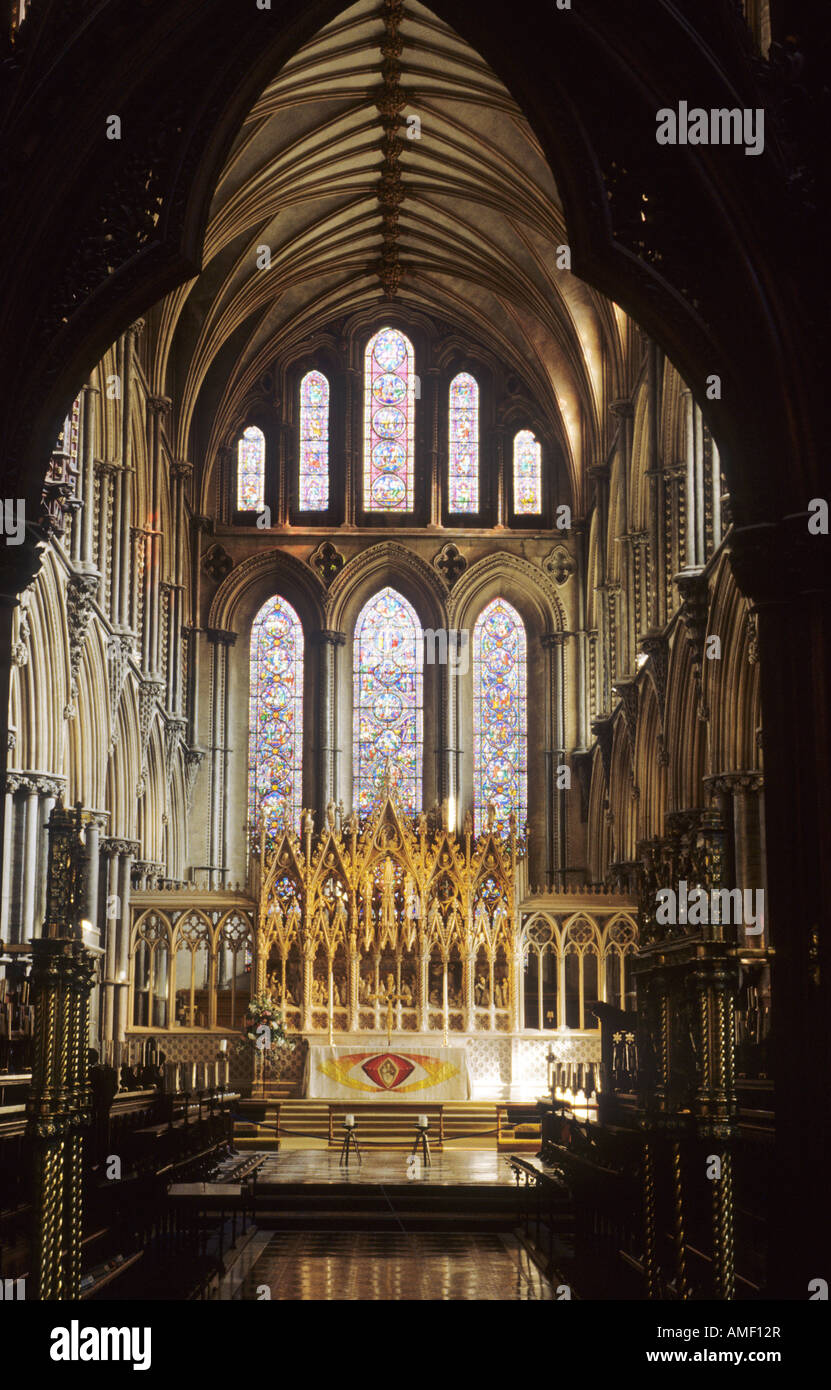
column 457, row 1191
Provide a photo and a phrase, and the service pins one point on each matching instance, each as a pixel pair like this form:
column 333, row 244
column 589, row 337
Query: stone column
column 124, row 610
column 221, row 640
column 158, row 407
column 123, row 948
column 109, row 852
column 109, row 484
column 181, row 471
column 624, row 411
column 353, row 483
column 501, row 471
column 435, row 490
column 517, row 989
column 698, row 519
column 87, row 465
column 553, row 643
column 6, row 864
column 114, row 921
column 327, row 780
column 29, row 877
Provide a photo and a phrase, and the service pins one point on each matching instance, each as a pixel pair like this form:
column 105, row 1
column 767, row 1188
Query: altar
column 384, row 1073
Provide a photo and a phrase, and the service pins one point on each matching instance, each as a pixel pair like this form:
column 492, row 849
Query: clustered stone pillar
column 114, row 920
column 329, row 788
column 554, row 644
column 30, row 799
column 221, row 640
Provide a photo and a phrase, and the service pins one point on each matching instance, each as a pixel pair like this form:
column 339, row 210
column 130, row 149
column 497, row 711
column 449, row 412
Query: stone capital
column 733, row 782
column 221, row 636
column 549, row 641
column 330, row 635
column 113, row 846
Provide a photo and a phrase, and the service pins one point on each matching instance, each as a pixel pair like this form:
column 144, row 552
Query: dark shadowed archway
column 716, row 254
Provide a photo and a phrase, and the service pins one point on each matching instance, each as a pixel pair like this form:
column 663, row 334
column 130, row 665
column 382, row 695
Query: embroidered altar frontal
column 354, row 1073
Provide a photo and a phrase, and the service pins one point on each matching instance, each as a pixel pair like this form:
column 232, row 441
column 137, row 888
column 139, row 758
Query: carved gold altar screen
column 392, row 923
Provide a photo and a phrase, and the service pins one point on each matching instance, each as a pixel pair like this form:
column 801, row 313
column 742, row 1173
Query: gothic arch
column 504, row 575
column 242, row 594
column 373, row 569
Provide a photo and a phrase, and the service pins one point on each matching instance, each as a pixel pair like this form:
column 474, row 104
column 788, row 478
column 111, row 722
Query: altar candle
column 225, row 1071
column 349, row 1121
column 423, row 1122
column 223, row 1044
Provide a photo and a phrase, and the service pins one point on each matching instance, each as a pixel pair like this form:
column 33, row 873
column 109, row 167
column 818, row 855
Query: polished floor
column 448, row 1169
column 383, row 1265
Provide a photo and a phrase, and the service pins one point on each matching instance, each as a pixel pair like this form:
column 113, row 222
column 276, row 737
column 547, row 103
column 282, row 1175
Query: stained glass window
column 499, row 722
column 389, row 422
column 276, row 716
column 527, row 475
column 314, row 443
column 388, row 660
column 463, row 465
column 251, row 470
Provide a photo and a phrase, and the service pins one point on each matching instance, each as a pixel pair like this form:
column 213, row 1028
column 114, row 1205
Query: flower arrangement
column 263, row 1031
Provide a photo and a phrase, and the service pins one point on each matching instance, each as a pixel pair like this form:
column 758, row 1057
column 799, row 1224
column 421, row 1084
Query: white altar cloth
column 361, row 1073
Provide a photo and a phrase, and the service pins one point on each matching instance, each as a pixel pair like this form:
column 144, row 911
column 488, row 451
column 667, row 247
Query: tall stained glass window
column 251, row 470
column 275, row 759
column 527, row 475
column 389, row 422
column 388, row 701
column 463, row 463
column 314, row 443
column 499, row 723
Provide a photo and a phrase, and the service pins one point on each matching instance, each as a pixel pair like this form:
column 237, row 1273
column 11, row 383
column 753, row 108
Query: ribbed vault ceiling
column 477, row 231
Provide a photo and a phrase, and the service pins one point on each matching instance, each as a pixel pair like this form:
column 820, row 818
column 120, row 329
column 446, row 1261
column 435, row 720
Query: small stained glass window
column 389, row 422
column 527, row 475
column 276, row 716
column 388, row 701
column 463, row 464
column 314, row 443
column 251, row 470
column 499, row 716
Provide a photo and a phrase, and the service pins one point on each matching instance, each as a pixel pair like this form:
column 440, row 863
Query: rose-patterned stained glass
column 499, row 716
column 388, row 701
column 251, row 470
column 314, row 443
column 527, row 475
column 463, row 433
column 389, row 422
column 275, row 759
